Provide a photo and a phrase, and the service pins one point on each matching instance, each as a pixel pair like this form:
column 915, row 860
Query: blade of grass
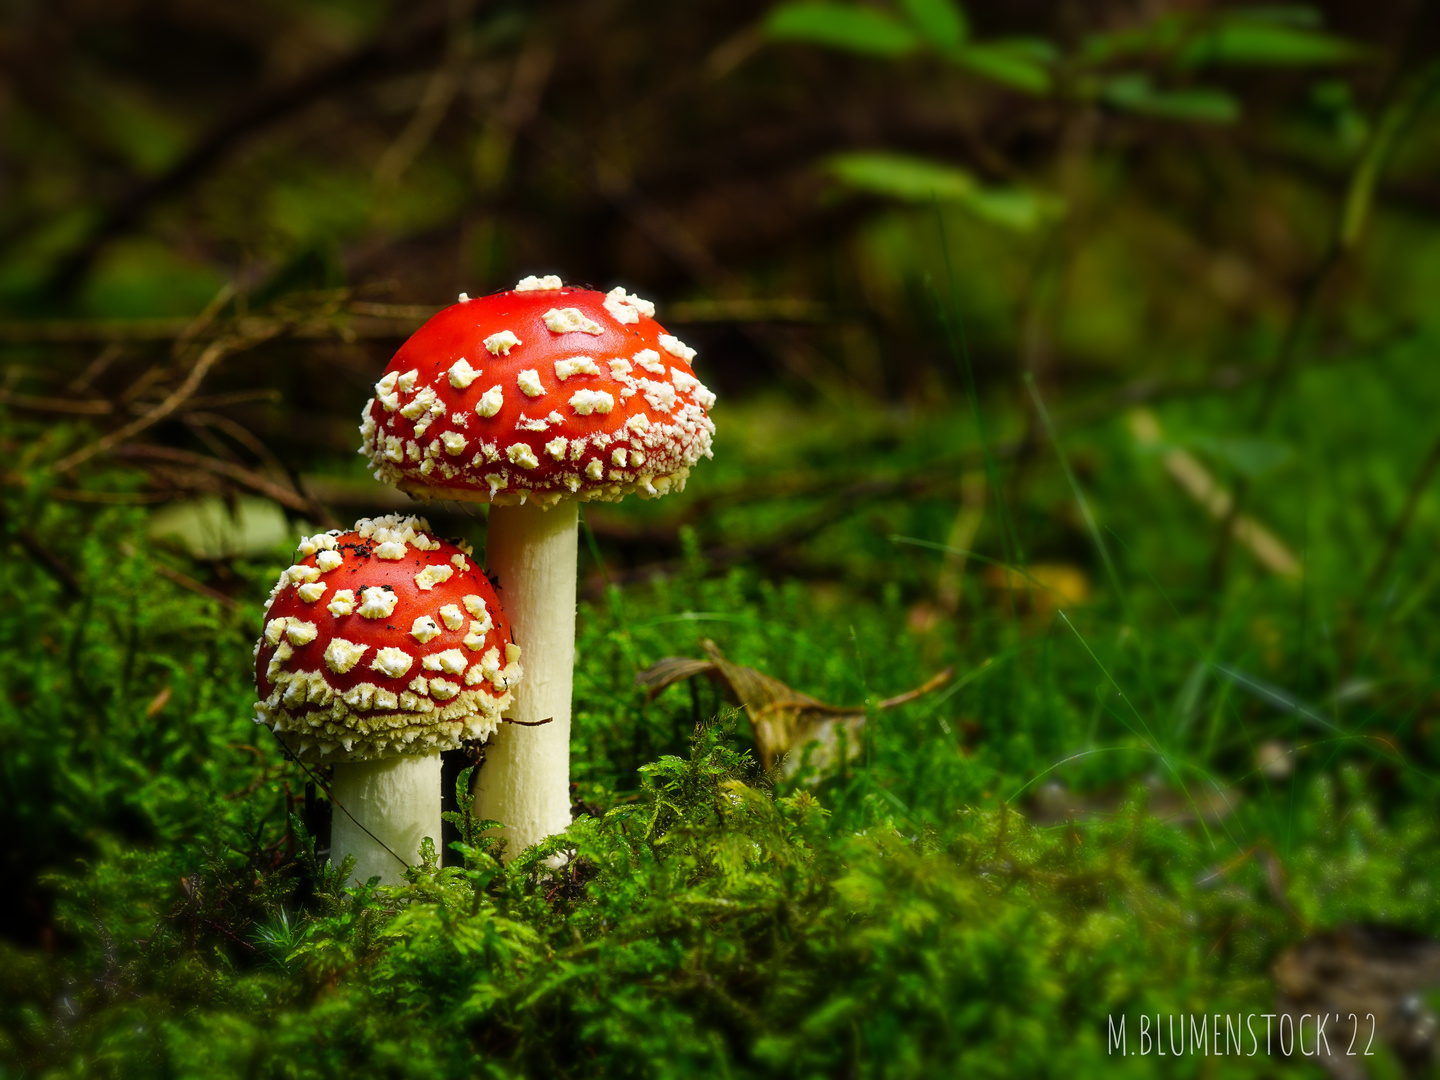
column 1149, row 737
column 1080, row 500
column 960, row 354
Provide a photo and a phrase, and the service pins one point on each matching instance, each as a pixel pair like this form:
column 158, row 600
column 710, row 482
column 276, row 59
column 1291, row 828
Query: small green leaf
column 841, row 26
column 1246, row 455
column 903, row 177
column 920, row 180
column 942, row 22
column 1273, row 36
column 1009, row 65
column 1014, row 208
column 209, row 529
column 1244, row 42
column 1201, row 104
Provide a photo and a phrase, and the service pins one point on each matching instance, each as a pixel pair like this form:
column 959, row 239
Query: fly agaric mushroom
column 382, row 647
column 531, row 400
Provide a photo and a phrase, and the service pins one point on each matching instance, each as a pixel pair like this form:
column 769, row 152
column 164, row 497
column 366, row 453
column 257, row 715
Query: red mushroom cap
column 383, row 641
column 542, row 392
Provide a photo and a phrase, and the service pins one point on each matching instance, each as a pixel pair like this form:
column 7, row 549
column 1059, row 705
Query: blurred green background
column 1088, row 349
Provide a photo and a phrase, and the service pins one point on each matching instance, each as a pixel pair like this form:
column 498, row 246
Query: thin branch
column 238, row 473
column 88, row 331
column 76, row 407
column 200, row 323
column 185, row 581
column 212, row 355
column 239, row 432
column 199, row 588
column 93, row 370
column 416, row 313
column 236, row 397
column 933, row 683
column 369, row 322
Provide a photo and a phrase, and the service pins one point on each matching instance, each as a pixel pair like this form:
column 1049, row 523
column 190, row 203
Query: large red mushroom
column 382, row 647
column 532, row 400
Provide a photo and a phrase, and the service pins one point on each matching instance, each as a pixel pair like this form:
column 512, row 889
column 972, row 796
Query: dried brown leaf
column 667, row 672
column 783, row 719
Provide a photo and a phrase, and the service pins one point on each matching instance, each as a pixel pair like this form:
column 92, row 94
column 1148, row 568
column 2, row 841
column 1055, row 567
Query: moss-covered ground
column 1137, row 792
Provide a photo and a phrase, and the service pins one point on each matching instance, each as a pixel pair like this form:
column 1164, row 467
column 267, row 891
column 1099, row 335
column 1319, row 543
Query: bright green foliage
column 941, row 21
column 891, row 921
column 842, row 26
column 918, row 180
column 1136, row 93
column 1175, row 44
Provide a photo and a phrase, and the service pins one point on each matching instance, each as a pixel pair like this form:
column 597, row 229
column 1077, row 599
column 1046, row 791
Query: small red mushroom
column 533, row 399
column 382, row 647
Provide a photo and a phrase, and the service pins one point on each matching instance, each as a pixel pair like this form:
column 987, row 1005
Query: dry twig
column 229, row 470
column 212, row 355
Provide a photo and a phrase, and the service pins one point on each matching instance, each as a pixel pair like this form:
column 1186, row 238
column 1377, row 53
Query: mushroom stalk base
column 525, row 781
column 398, row 800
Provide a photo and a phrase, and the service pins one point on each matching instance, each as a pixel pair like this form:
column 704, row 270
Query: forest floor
column 1166, row 778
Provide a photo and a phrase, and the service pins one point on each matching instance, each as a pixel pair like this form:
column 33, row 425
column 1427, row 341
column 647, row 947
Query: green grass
column 894, row 918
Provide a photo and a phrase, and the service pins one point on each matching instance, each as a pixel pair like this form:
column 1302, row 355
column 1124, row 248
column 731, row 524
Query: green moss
column 900, row 917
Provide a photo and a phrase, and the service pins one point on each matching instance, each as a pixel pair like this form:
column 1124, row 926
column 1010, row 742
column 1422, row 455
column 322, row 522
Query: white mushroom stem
column 525, row 781
column 383, row 809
